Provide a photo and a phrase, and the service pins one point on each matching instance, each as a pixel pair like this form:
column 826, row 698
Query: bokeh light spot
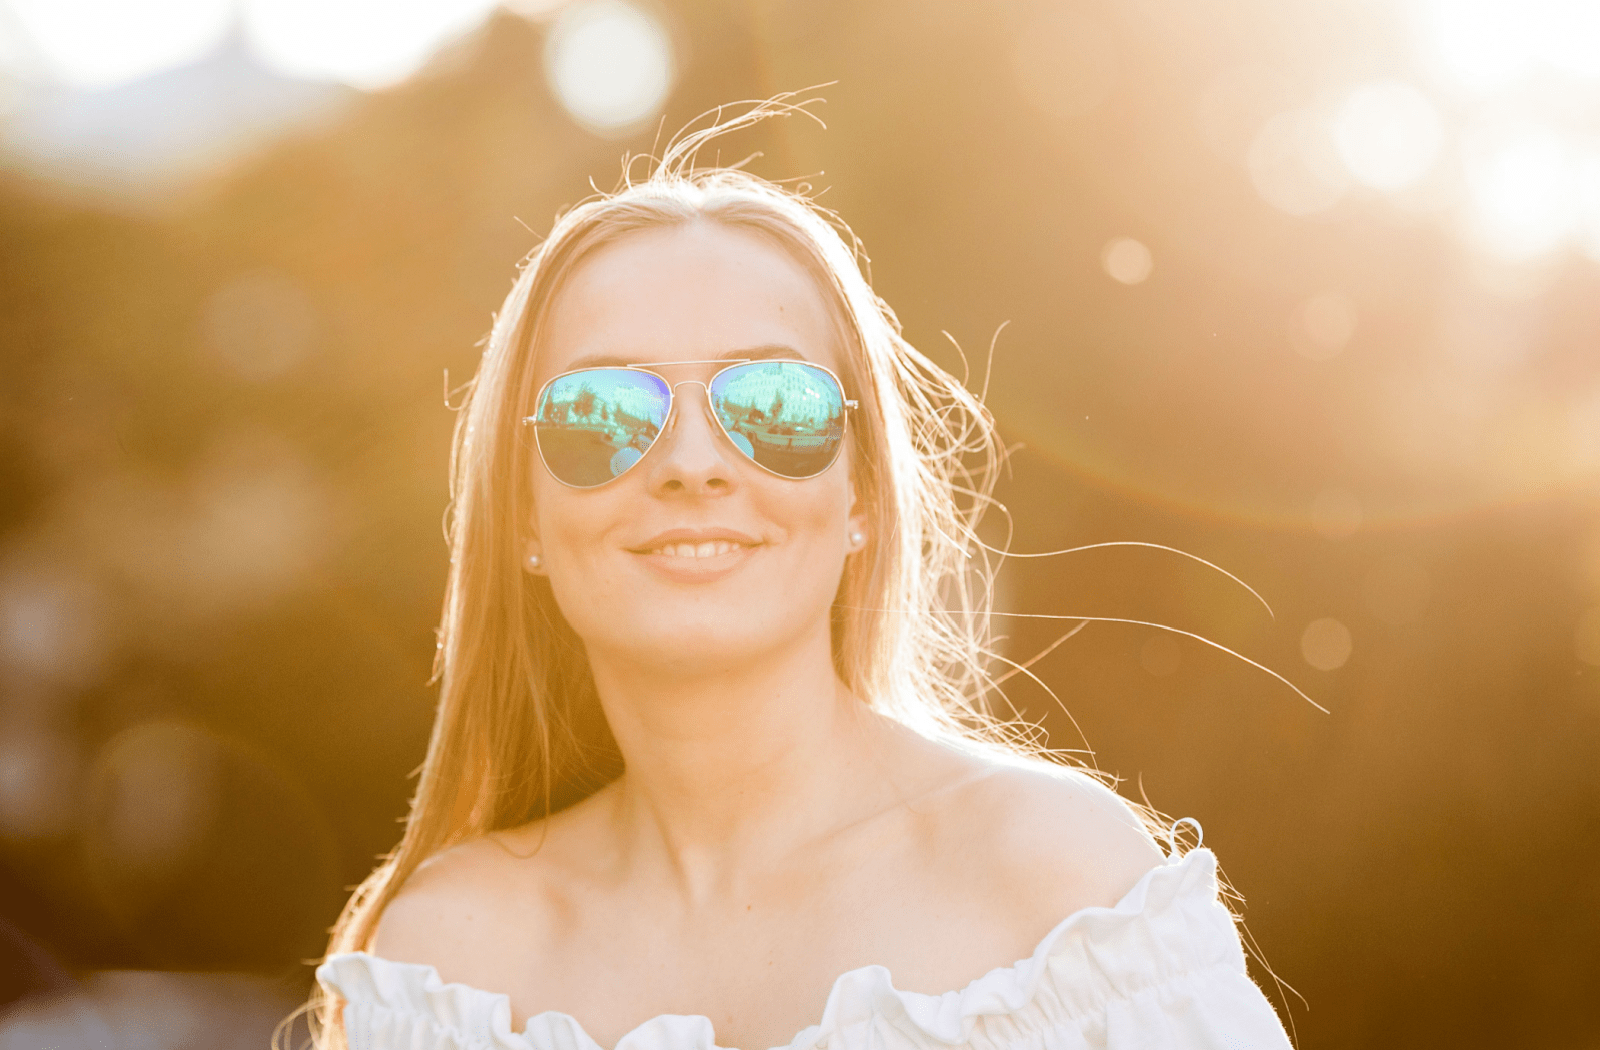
column 609, row 64
column 260, row 325
column 38, row 783
column 1294, row 166
column 100, row 43
column 1326, row 644
column 1336, row 513
column 1127, row 260
column 1523, row 190
column 1321, row 327
column 365, row 43
column 51, row 624
column 1388, row 134
column 151, row 801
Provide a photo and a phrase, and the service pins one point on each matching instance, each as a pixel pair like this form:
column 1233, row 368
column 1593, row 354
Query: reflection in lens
column 790, row 414
column 594, row 424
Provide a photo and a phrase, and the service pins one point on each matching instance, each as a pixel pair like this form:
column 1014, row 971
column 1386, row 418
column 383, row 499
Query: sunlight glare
column 1486, row 46
column 1481, row 44
column 93, row 44
column 1589, row 202
column 610, row 65
column 1523, row 189
column 368, row 44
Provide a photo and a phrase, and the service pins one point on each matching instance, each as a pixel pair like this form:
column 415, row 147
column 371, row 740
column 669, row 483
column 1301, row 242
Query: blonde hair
column 518, row 733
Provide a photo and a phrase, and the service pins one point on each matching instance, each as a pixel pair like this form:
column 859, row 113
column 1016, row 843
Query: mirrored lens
column 785, row 415
column 594, row 424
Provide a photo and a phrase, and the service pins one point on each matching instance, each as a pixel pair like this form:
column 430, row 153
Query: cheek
column 570, row 525
column 814, row 515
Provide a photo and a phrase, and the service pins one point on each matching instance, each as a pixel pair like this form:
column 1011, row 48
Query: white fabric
column 1164, row 968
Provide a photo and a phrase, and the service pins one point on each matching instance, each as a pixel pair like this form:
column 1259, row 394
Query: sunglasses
column 593, row 424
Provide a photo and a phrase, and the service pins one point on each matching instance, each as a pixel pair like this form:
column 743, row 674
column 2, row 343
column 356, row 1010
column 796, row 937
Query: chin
column 676, row 643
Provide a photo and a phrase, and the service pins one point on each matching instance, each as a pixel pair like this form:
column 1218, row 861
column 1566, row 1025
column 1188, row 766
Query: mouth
column 692, row 551
column 697, row 555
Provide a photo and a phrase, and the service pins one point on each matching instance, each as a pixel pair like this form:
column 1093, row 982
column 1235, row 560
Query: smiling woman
column 711, row 765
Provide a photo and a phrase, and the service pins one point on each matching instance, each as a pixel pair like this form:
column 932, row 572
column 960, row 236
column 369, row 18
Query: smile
column 707, row 549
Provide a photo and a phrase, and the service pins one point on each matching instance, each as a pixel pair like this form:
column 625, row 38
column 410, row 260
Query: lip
column 697, row 569
column 708, row 535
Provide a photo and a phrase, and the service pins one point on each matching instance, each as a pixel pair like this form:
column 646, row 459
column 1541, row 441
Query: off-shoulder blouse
column 1163, row 968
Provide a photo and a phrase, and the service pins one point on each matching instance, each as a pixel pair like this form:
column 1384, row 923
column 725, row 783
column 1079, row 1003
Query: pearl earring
column 856, row 539
column 535, row 563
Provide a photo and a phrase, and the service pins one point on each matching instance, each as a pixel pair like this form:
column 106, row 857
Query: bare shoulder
column 464, row 905
column 1054, row 840
column 442, row 913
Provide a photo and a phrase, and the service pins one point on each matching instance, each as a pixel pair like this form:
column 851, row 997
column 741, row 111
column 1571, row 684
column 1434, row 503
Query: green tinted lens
column 786, row 415
column 594, row 424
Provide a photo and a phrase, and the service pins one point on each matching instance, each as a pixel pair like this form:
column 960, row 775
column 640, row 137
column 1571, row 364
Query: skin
column 770, row 832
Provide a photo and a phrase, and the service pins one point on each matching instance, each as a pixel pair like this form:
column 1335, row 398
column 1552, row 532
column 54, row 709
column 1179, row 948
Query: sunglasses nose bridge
column 677, row 402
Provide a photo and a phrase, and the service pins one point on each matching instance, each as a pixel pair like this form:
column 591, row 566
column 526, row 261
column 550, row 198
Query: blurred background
column 1309, row 288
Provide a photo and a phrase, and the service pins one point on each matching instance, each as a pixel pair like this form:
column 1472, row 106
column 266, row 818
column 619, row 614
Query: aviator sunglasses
column 787, row 417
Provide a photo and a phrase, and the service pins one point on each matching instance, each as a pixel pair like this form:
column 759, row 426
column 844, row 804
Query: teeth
column 708, row 549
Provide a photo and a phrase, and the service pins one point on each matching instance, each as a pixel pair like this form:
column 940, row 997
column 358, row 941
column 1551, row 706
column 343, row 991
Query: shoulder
column 1049, row 840
column 452, row 910
column 439, row 914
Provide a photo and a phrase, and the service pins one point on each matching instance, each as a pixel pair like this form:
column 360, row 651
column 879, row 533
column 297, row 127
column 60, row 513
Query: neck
column 732, row 768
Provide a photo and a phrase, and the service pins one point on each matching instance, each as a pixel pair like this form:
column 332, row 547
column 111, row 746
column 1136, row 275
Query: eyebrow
column 764, row 352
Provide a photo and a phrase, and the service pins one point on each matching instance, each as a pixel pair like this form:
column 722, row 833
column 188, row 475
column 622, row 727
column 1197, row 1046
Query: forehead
column 685, row 293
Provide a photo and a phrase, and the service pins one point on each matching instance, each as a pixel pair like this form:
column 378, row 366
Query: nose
column 691, row 457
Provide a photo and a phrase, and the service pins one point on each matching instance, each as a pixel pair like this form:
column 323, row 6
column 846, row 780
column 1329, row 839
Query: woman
column 709, row 766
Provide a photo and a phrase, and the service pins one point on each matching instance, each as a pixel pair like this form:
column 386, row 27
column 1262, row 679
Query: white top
column 1164, row 968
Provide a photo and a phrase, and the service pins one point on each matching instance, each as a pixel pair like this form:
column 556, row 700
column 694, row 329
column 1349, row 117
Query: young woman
column 709, row 766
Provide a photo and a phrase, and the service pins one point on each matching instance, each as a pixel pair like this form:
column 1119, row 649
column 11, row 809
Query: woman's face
column 695, row 556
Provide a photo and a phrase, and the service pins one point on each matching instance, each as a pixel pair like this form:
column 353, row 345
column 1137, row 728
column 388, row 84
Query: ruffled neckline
column 931, row 1021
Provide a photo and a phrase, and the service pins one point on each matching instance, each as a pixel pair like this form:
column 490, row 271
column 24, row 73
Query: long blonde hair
column 518, row 733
